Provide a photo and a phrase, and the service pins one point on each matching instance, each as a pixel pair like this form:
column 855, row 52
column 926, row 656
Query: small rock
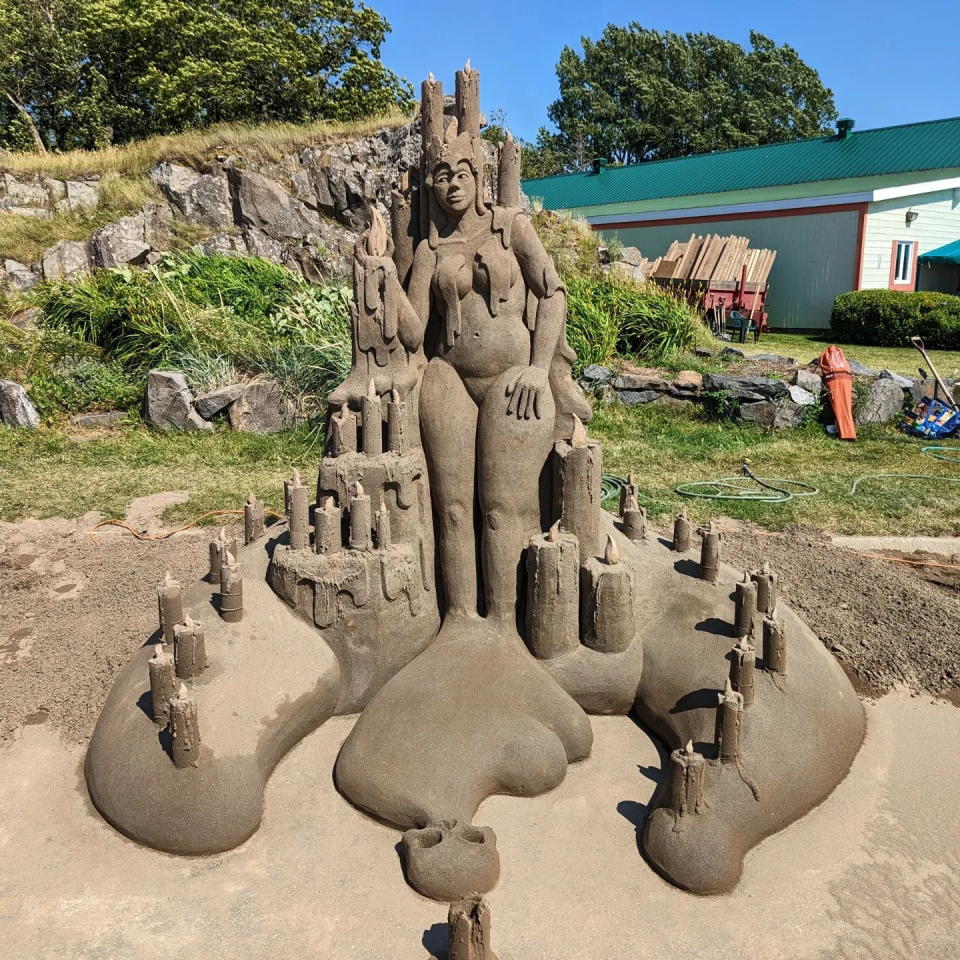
column 106, row 418
column 840, row 648
column 65, row 259
column 208, row 405
column 594, row 373
column 905, row 382
column 798, row 395
column 703, row 352
column 26, row 318
column 884, row 402
column 809, row 381
column 16, row 408
column 19, row 275
column 261, row 408
column 634, row 381
column 774, row 358
column 858, row 369
column 169, row 403
column 732, row 353
column 632, row 256
column 744, row 388
column 688, row 380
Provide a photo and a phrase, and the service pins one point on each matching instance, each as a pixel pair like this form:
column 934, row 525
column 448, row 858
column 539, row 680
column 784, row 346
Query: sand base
column 872, row 873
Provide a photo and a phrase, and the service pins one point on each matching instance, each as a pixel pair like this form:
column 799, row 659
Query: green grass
column 49, row 474
column 805, row 347
column 665, row 448
column 46, row 473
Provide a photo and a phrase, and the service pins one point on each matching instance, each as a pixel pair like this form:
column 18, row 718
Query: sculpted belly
column 487, row 346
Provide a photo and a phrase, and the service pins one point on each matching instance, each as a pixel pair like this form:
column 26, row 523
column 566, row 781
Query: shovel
column 947, row 396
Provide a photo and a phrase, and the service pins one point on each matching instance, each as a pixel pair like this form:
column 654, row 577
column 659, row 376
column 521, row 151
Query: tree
column 638, row 94
column 125, row 69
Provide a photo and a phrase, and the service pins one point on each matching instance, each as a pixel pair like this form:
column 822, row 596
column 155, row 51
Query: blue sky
column 887, row 62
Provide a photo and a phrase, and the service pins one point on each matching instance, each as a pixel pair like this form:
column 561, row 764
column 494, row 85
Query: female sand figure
column 486, row 303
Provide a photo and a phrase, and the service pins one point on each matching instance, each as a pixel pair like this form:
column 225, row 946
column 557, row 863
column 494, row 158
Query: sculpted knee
column 495, row 518
column 456, row 515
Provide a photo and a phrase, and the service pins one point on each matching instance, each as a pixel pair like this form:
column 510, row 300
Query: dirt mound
column 887, row 622
column 73, row 613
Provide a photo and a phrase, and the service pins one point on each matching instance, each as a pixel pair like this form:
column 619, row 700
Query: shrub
column 888, row 318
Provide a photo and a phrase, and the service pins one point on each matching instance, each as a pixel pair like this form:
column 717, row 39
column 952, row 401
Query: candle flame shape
column 394, row 395
column 611, row 555
column 728, row 690
column 344, row 408
column 372, row 389
column 431, row 78
column 466, row 67
column 631, row 502
column 167, row 579
column 158, row 650
column 689, row 748
column 553, row 534
column 358, row 489
column 295, row 479
column 223, row 534
column 578, row 436
column 229, row 559
column 376, row 235
column 182, row 693
column 766, row 567
column 328, row 505
column 189, row 622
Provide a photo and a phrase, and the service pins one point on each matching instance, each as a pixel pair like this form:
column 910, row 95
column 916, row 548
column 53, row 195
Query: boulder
column 169, row 404
column 905, row 382
column 924, row 389
column 859, row 370
column 674, row 403
column 265, row 205
column 208, row 405
column 883, row 404
column 637, row 381
column 774, row 358
column 811, row 382
column 107, row 418
column 703, row 352
column 593, row 374
column 68, row 258
column 81, row 195
column 200, row 197
column 119, row 243
column 801, row 397
column 26, row 318
column 779, row 415
column 688, row 380
column 25, row 193
column 744, row 388
column 18, row 275
column 16, row 408
column 631, row 255
column 732, row 353
column 633, row 398
column 261, row 408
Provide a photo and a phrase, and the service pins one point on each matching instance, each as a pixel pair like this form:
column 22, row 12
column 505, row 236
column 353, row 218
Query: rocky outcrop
column 131, row 240
column 16, row 408
column 203, row 198
column 169, row 403
column 261, row 408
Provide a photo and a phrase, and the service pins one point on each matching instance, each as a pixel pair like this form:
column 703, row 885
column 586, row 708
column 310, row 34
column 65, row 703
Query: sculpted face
column 456, row 188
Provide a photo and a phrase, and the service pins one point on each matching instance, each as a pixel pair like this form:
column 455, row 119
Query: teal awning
column 949, row 253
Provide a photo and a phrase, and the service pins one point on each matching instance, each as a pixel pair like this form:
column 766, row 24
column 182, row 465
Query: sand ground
column 872, row 873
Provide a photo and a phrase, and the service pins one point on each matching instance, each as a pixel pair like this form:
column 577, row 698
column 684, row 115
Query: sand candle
column 682, row 530
column 685, row 787
column 254, row 521
column 371, row 412
column 710, row 553
column 730, row 704
column 745, row 607
column 774, row 646
column 163, row 684
column 327, row 527
column 766, row 582
column 431, row 110
column 343, row 431
column 743, row 660
column 553, row 593
column 299, row 514
column 468, row 100
column 634, row 518
column 396, row 423
column 578, row 469
column 186, row 730
column 360, row 519
column 608, row 622
column 508, row 173
column 169, row 605
column 189, row 649
column 231, row 590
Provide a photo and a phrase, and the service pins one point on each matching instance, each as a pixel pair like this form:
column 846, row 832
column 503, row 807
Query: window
column 903, row 262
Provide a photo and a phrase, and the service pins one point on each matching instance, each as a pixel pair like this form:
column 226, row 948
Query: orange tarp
column 839, row 380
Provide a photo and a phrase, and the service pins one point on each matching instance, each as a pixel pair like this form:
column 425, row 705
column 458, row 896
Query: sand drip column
column 189, row 649
column 218, row 550
column 163, row 684
column 578, row 469
column 169, row 606
column 508, row 173
column 553, row 593
column 231, row 590
column 469, row 927
column 384, row 537
column 254, row 519
column 607, row 602
column 685, row 786
column 682, row 532
column 396, row 423
column 743, row 659
column 185, row 729
column 468, row 100
column 328, row 527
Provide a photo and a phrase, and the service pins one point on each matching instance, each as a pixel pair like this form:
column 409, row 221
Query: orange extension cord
column 146, row 537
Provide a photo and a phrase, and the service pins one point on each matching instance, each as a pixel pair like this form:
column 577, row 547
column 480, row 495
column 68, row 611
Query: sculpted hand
column 524, row 393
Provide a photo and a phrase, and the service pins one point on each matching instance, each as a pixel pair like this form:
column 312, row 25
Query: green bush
column 219, row 319
column 888, row 318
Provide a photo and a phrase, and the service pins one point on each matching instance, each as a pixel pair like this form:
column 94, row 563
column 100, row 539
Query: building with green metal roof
column 856, row 210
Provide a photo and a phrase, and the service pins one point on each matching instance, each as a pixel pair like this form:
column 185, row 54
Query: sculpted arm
column 415, row 306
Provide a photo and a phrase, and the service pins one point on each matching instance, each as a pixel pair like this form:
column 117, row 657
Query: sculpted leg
column 448, row 421
column 511, row 454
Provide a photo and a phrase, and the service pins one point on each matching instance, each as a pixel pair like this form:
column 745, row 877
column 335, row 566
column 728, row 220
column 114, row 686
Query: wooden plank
column 710, row 262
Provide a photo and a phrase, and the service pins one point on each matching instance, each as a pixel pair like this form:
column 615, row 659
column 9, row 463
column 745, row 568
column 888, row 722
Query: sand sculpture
column 454, row 581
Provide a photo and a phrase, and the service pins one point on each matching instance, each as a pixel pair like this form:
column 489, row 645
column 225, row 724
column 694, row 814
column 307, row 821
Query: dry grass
column 261, row 143
column 25, row 238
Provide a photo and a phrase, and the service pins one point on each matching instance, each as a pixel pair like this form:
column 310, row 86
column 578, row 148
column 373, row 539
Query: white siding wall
column 938, row 223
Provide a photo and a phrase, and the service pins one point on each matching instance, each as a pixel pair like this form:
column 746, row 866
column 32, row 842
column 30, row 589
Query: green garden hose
column 936, row 450
column 767, row 489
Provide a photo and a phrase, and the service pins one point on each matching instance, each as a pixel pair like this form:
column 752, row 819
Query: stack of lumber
column 714, row 259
